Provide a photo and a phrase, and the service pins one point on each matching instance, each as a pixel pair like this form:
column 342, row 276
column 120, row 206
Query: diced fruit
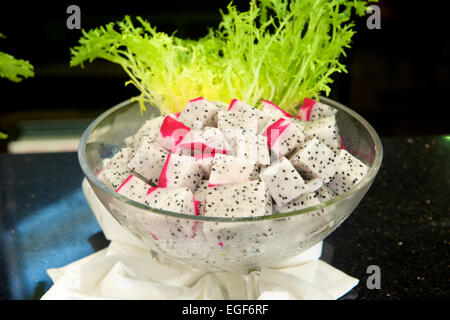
column 149, row 160
column 229, row 169
column 325, row 130
column 171, row 133
column 315, row 160
column 180, row 171
column 349, row 172
column 283, row 137
column 199, row 113
column 313, row 110
column 283, row 181
column 270, row 107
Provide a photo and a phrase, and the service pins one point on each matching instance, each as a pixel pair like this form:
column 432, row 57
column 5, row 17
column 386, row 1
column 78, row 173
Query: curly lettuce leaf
column 278, row 50
column 14, row 69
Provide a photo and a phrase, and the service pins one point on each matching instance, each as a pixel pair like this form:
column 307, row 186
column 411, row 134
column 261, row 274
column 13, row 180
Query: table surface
column 401, row 225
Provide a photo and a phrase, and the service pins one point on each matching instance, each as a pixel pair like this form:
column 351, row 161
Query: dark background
column 398, row 76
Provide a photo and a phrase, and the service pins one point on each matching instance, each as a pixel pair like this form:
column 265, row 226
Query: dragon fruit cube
column 250, row 112
column 236, row 120
column 301, row 202
column 199, row 113
column 116, row 169
column 171, row 133
column 283, row 181
column 205, row 161
column 270, row 107
column 315, row 160
column 148, row 161
column 313, row 110
column 350, row 171
column 149, row 130
column 229, row 169
column 180, row 171
column 245, row 199
column 200, row 195
column 247, row 144
column 283, row 137
column 134, row 188
column 325, row 193
column 325, row 130
column 209, row 140
column 163, row 228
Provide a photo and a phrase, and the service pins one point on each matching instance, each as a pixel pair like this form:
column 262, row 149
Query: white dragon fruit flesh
column 207, row 141
column 283, row 181
column 315, row 160
column 236, row 120
column 178, row 200
column 248, row 144
column 270, row 107
column 149, row 130
column 148, row 160
column 325, row 193
column 313, row 110
column 229, row 169
column 171, row 133
column 283, row 137
column 325, row 130
column 350, row 171
column 180, row 171
column 199, row 113
column 245, row 199
column 250, row 112
column 116, row 170
column 134, row 188
column 200, row 195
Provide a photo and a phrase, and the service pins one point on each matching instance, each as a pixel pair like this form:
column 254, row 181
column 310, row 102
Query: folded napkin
column 126, row 269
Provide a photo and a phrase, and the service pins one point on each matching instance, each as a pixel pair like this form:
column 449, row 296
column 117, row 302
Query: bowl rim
column 367, row 180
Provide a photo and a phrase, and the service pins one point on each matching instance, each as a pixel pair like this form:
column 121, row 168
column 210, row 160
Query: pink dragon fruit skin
column 270, row 107
column 283, row 181
column 315, row 160
column 245, row 199
column 313, row 110
column 180, row 171
column 171, row 133
column 199, row 113
column 283, row 137
column 229, row 169
column 149, row 160
column 350, row 172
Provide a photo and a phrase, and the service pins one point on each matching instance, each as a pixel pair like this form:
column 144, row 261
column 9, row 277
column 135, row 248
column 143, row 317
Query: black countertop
column 401, row 225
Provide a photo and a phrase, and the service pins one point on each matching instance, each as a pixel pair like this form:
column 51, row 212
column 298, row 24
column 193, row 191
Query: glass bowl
column 253, row 243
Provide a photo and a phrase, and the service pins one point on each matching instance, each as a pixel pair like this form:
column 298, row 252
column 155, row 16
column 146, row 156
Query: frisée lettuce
column 279, row 50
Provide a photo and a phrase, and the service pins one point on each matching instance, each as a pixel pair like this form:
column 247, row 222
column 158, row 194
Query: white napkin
column 127, row 270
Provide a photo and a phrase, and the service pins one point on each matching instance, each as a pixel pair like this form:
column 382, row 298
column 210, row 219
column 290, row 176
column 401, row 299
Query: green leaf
column 3, row 135
column 278, row 50
column 14, row 69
